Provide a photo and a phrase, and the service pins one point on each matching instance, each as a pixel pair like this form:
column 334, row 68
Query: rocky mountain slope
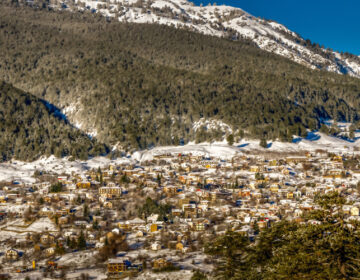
column 221, row 21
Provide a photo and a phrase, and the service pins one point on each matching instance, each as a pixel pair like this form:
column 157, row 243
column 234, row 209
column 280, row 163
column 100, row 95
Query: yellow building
column 274, row 188
column 110, row 192
column 153, row 228
column 124, row 226
column 115, row 266
column 254, row 168
column 290, row 195
column 337, row 159
column 83, row 185
column 273, row 162
column 179, row 246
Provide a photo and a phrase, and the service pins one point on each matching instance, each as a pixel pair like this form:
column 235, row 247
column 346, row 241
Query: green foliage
column 329, row 200
column 198, row 275
column 230, row 250
column 259, row 176
column 230, row 139
column 30, row 128
column 329, row 249
column 152, row 207
column 169, row 268
column 263, row 143
column 324, row 129
column 86, row 210
column 125, row 179
column 153, row 82
column 54, row 188
column 41, row 200
column 59, row 249
column 158, row 179
column 81, row 242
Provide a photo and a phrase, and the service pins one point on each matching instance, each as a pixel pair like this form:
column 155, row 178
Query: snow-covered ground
column 212, row 125
column 18, row 229
column 314, row 141
column 23, row 171
column 178, row 275
column 97, row 274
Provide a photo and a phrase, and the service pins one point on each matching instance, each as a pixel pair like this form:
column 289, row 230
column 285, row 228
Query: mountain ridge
column 222, row 21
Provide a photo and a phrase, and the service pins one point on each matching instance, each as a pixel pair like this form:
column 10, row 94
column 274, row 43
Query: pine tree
column 231, row 255
column 198, row 275
column 290, row 250
column 230, row 139
column 263, row 143
column 81, row 242
column 86, row 211
column 59, row 249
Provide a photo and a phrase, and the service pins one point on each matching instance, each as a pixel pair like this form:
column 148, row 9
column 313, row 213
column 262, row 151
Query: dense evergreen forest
column 30, row 127
column 322, row 244
column 143, row 85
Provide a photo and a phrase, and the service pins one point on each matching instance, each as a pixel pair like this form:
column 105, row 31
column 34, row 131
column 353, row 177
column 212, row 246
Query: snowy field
column 23, row 171
column 40, row 225
column 18, row 230
column 313, row 142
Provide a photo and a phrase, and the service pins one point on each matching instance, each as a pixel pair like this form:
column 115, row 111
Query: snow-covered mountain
column 222, row 21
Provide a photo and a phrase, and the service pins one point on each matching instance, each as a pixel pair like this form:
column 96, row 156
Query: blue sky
column 334, row 24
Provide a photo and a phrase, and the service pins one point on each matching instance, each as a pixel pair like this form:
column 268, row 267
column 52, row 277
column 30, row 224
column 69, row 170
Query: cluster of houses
column 168, row 207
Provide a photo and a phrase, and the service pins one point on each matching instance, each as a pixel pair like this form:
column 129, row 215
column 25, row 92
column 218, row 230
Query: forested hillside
column 142, row 84
column 30, row 127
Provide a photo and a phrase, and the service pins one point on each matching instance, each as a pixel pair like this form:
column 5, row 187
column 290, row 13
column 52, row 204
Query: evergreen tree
column 81, row 242
column 230, row 139
column 198, row 275
column 324, row 129
column 86, row 210
column 263, row 143
column 231, row 254
column 329, row 249
column 59, row 249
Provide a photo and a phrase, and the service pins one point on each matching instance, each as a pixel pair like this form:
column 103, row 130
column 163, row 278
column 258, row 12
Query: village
column 155, row 217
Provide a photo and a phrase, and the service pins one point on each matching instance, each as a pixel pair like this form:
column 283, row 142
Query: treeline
column 144, row 85
column 30, row 129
